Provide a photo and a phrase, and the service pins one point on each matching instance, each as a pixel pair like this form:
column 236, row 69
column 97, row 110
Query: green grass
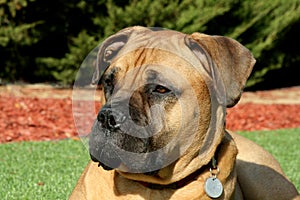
column 40, row 170
column 50, row 170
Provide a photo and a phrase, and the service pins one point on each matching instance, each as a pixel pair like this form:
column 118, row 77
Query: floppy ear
column 108, row 50
column 233, row 60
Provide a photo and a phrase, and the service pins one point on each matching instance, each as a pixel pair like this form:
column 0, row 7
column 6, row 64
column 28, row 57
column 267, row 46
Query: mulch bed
column 31, row 118
column 250, row 117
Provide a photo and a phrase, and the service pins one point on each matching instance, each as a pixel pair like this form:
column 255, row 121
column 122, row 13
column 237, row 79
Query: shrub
column 47, row 41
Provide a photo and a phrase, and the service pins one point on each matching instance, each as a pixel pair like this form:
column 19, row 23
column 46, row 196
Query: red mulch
column 28, row 118
column 250, row 117
column 35, row 119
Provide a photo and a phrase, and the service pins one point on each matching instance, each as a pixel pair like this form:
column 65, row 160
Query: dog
column 161, row 131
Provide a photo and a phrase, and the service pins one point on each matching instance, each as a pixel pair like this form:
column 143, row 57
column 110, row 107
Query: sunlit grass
column 40, row 170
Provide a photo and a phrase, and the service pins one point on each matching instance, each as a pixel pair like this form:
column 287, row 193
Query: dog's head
column 165, row 97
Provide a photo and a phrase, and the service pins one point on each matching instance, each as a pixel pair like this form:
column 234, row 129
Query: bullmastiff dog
column 160, row 133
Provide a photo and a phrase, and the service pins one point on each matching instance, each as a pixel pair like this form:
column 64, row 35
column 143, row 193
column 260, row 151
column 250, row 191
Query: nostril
column 112, row 121
column 101, row 118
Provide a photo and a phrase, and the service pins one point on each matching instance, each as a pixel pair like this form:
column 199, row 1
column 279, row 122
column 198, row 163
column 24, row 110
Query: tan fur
column 253, row 174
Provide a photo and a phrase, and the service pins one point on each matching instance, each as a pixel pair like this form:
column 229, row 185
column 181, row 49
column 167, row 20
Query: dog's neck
column 190, row 178
column 179, row 184
column 225, row 154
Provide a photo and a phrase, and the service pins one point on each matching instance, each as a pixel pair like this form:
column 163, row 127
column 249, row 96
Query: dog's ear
column 108, row 50
column 233, row 60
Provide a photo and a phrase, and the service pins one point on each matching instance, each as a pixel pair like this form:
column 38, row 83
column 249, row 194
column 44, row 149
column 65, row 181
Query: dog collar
column 190, row 178
column 176, row 185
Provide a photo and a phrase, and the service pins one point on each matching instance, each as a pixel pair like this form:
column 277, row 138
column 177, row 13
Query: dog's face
column 161, row 111
column 147, row 106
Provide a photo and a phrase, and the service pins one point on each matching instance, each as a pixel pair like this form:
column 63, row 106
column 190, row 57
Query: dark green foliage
column 270, row 30
column 48, row 40
column 44, row 40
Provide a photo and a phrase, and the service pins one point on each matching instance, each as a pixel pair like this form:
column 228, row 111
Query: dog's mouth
column 120, row 151
column 113, row 163
column 117, row 164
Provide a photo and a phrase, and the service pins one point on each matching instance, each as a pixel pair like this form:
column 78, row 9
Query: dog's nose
column 110, row 119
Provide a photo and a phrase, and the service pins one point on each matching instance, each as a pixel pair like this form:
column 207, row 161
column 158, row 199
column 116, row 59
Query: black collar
column 176, row 185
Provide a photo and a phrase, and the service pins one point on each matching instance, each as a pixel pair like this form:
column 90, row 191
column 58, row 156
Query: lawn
column 49, row 170
column 40, row 170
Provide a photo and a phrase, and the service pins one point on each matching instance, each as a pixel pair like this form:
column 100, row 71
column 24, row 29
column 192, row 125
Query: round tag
column 213, row 187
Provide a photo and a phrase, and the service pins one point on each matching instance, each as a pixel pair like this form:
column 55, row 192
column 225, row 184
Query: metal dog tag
column 213, row 187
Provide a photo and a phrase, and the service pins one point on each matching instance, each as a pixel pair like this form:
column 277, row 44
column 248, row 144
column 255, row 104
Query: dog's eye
column 108, row 86
column 108, row 82
column 161, row 89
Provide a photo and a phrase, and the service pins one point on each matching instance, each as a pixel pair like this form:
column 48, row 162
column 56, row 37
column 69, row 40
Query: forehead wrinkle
column 154, row 58
column 135, row 63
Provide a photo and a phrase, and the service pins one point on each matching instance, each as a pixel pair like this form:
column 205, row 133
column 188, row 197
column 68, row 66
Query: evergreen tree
column 48, row 40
